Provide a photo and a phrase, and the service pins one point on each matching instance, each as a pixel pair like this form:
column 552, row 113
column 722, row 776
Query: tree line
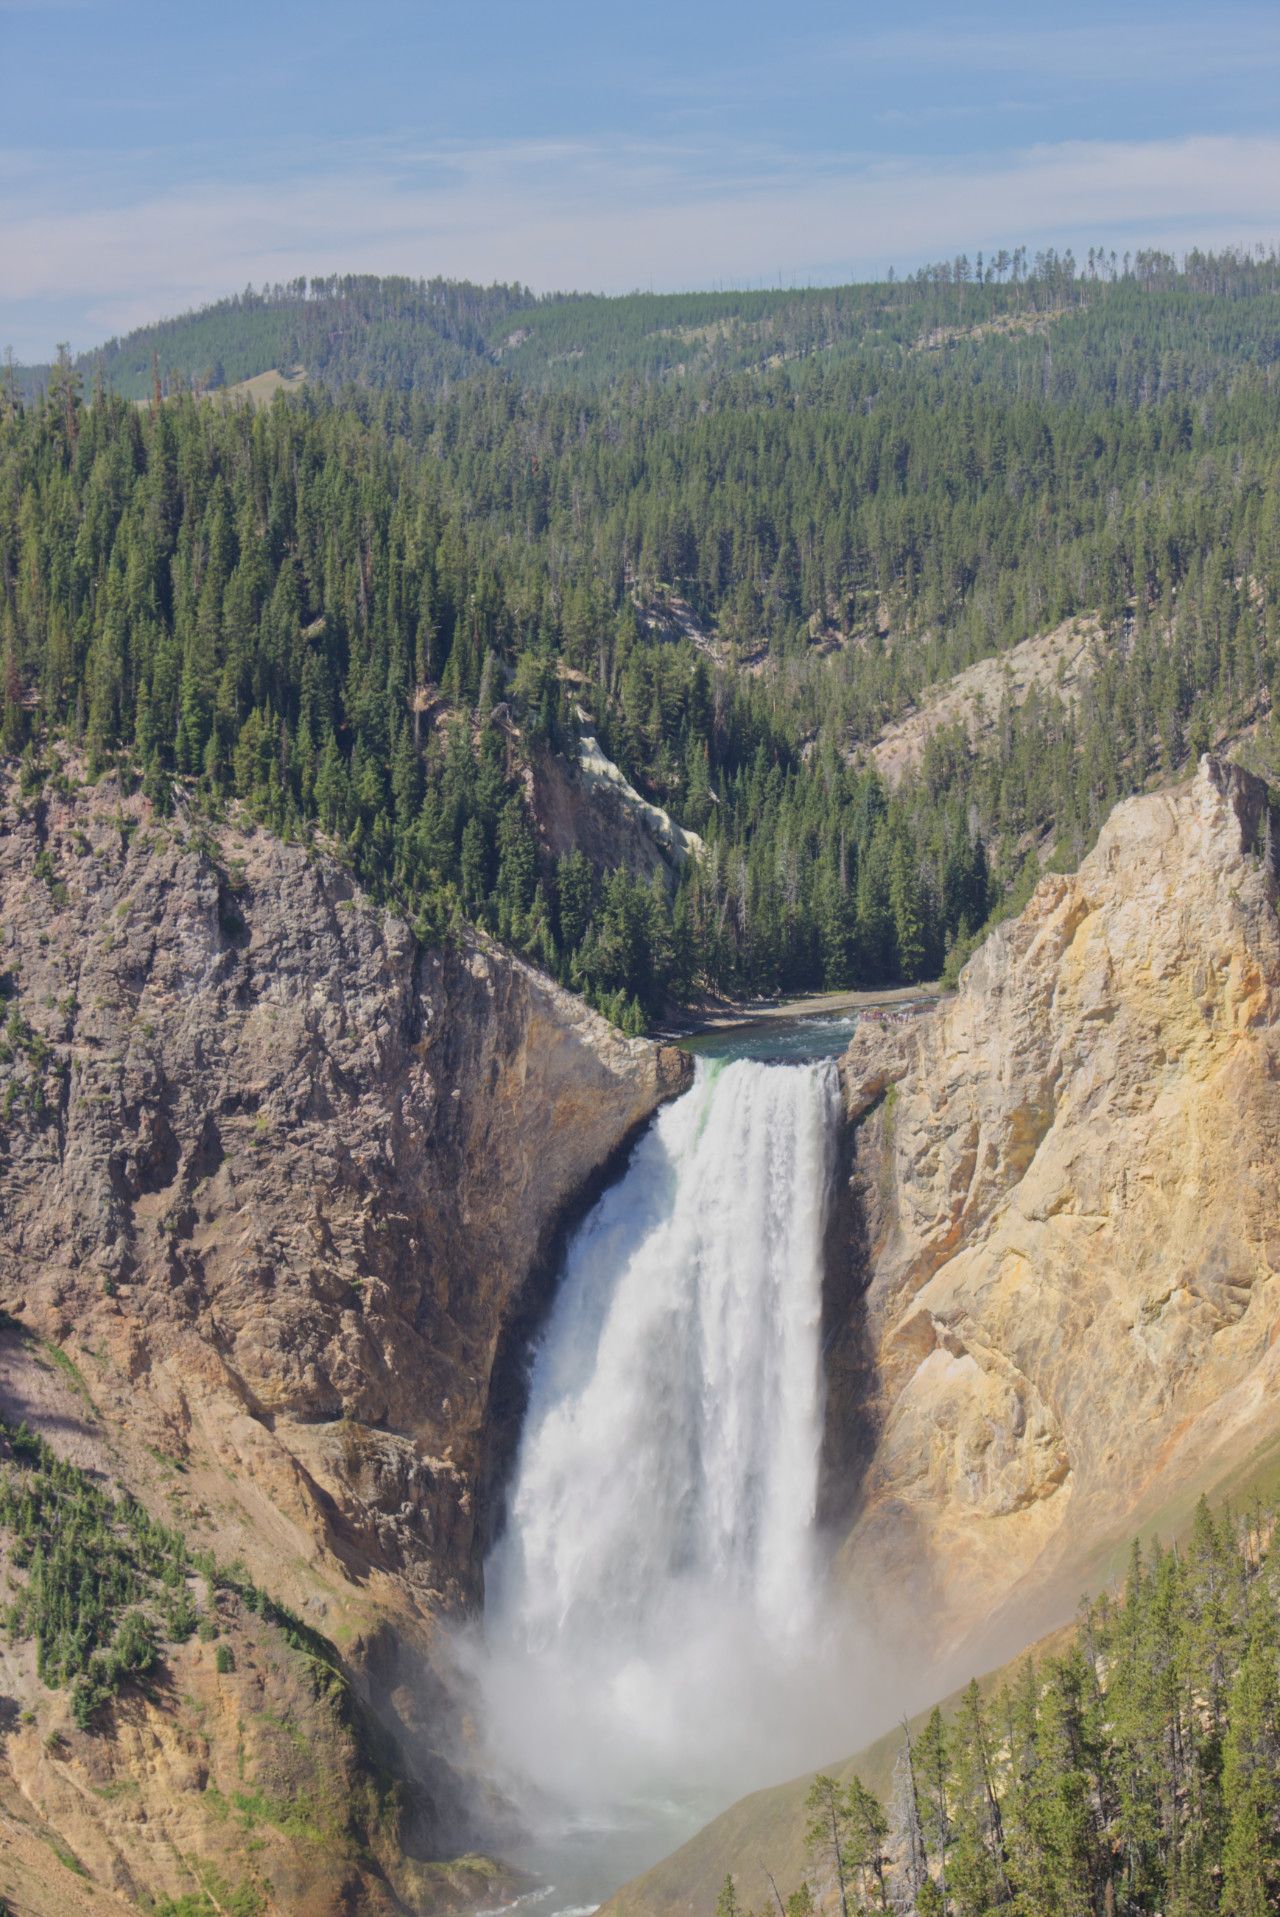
column 424, row 335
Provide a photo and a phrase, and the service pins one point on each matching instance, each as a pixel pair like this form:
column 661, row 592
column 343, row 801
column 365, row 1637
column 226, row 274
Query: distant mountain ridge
column 422, row 335
column 345, row 328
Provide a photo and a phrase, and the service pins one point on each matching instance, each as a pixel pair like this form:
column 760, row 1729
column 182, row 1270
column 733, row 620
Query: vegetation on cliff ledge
column 108, row 1597
column 101, row 1586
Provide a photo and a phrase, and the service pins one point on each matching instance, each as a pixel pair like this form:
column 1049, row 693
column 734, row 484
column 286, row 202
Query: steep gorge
column 289, row 1191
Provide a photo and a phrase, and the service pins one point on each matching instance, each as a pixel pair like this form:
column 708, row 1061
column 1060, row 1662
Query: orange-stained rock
column 1073, row 1199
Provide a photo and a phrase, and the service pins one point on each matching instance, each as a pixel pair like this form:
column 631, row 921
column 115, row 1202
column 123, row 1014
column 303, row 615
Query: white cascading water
column 652, row 1616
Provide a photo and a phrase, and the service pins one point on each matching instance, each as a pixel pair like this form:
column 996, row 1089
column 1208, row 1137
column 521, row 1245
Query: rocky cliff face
column 1066, row 1182
column 287, row 1188
column 287, row 1191
column 593, row 809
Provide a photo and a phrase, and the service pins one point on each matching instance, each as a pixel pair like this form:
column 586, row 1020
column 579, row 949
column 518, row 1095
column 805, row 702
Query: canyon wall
column 283, row 1194
column 1069, row 1187
column 287, row 1189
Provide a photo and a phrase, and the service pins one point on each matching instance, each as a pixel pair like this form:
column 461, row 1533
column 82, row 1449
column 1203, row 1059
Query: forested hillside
column 424, row 335
column 367, row 609
column 1138, row 1771
column 351, row 329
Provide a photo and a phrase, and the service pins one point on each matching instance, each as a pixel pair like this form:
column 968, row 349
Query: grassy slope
column 263, row 387
column 762, row 1836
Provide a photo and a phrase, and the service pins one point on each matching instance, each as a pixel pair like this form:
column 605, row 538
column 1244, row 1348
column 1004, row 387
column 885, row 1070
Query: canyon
column 286, row 1193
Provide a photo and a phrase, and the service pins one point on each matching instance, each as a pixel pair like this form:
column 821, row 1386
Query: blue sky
column 155, row 156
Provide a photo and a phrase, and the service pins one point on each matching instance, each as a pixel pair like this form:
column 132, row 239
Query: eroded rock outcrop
column 1069, row 1182
column 287, row 1188
column 593, row 809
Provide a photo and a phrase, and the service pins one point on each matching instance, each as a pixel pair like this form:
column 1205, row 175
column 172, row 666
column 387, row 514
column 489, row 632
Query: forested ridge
column 1138, row 1771
column 367, row 609
column 424, row 335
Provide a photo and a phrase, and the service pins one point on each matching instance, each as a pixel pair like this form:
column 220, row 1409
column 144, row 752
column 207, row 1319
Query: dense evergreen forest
column 1137, row 1772
column 367, row 609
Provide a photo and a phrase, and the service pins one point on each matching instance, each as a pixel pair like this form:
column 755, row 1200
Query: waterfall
column 653, row 1602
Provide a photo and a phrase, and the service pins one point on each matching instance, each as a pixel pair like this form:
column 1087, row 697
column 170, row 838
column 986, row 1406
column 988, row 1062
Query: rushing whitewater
column 652, row 1606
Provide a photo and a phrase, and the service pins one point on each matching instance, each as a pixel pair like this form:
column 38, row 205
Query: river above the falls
column 777, row 1040
column 794, row 1035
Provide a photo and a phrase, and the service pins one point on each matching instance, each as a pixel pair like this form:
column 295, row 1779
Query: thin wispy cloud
column 1105, row 54
column 557, row 214
column 149, row 164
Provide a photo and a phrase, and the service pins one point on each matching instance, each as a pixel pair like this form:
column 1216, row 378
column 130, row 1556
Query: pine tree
column 727, row 1904
column 868, row 1829
column 906, row 1827
column 827, row 1833
column 932, row 1767
column 1251, row 1776
column 979, row 1880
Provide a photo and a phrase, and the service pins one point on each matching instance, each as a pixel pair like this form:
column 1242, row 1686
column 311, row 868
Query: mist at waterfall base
column 655, row 1638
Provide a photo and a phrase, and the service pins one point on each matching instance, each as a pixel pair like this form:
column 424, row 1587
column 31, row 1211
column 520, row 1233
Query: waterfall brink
column 653, row 1604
